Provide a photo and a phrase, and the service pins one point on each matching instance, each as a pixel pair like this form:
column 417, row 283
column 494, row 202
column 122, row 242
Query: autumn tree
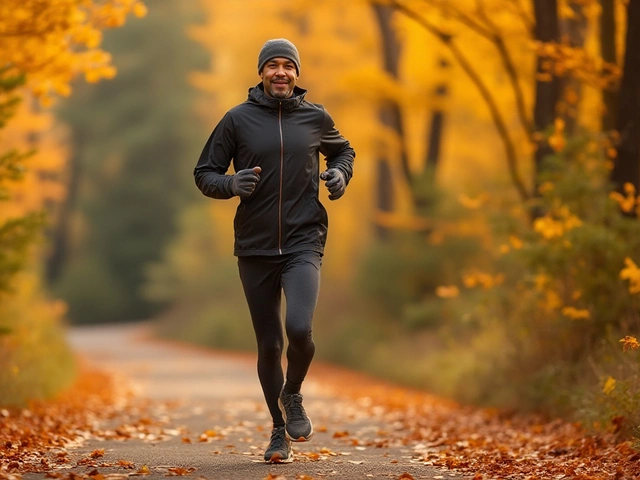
column 43, row 47
column 418, row 180
column 390, row 113
column 129, row 171
column 627, row 164
column 547, row 89
column 608, row 53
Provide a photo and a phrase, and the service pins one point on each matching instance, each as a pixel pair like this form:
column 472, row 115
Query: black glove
column 336, row 182
column 244, row 182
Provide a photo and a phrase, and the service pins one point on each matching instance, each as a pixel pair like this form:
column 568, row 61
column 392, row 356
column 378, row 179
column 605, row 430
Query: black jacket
column 284, row 138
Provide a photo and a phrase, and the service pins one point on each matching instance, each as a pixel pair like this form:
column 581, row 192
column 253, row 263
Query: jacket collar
column 257, row 95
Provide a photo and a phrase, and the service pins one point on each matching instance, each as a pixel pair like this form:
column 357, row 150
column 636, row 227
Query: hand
column 244, row 182
column 336, row 183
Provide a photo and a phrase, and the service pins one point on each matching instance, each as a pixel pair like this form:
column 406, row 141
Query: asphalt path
column 207, row 418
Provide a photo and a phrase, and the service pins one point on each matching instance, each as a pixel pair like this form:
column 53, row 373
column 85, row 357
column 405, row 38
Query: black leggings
column 263, row 279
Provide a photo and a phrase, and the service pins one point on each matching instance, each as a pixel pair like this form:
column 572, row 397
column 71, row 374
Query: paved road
column 207, row 418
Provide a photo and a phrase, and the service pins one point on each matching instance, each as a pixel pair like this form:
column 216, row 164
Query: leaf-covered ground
column 367, row 422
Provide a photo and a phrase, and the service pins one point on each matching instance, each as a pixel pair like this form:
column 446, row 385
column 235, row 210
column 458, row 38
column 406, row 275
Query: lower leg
column 301, row 283
column 271, row 376
column 261, row 283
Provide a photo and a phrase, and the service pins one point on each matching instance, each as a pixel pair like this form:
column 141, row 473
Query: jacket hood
column 258, row 96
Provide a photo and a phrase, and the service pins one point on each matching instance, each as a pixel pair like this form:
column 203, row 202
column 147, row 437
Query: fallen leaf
column 180, row 471
column 276, row 477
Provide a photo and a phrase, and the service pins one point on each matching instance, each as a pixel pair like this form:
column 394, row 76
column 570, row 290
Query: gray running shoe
column 279, row 449
column 298, row 426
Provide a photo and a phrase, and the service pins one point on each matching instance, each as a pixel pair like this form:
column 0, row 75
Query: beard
column 281, row 94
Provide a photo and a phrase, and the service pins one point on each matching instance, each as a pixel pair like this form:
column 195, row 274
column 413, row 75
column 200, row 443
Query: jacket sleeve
column 210, row 172
column 336, row 148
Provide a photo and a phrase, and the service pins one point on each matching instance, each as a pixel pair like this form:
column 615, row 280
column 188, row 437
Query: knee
column 270, row 350
column 299, row 338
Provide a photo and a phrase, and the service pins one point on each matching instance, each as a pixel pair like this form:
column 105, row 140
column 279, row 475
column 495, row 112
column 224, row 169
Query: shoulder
column 235, row 115
column 313, row 106
column 241, row 109
column 324, row 118
column 317, row 108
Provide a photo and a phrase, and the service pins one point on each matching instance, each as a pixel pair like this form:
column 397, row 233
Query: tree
column 130, row 172
column 627, row 164
column 547, row 89
column 391, row 117
column 43, row 47
column 608, row 53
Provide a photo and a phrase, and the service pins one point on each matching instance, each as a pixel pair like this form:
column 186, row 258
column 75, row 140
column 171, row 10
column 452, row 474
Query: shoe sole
column 277, row 458
column 286, row 433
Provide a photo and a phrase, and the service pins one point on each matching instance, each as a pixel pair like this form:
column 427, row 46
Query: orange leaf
column 97, row 453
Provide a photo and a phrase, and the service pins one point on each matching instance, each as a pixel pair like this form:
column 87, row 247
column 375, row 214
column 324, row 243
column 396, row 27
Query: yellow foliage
column 48, row 44
column 450, row 291
column 629, row 343
column 546, row 187
column 557, row 140
column 481, row 279
column 564, row 60
column 609, row 385
column 556, row 224
column 515, row 242
column 541, row 281
column 34, row 359
column 631, row 272
column 43, row 183
column 629, row 201
column 53, row 42
column 576, row 314
column 551, row 301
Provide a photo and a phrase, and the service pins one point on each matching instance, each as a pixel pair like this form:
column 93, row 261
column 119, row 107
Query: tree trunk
column 422, row 193
column 574, row 29
column 608, row 52
column 390, row 114
column 627, row 164
column 547, row 92
column 59, row 255
column 434, row 138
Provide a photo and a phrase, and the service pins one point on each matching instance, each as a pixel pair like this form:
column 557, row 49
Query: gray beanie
column 278, row 47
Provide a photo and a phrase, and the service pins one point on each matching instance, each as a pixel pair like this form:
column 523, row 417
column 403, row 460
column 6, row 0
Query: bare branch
column 497, row 117
column 509, row 65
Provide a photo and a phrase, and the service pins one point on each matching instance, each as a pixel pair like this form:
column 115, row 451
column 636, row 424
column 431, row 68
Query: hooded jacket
column 283, row 137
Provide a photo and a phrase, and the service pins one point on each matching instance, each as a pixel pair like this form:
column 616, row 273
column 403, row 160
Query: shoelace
column 294, row 404
column 278, row 438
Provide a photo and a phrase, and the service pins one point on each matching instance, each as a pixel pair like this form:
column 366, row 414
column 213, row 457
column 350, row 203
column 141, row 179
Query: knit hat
column 278, row 47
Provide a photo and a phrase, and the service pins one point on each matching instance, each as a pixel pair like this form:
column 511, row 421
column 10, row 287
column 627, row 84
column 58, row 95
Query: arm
column 210, row 172
column 339, row 156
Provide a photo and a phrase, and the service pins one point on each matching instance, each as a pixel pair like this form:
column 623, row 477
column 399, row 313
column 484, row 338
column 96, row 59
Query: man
column 274, row 139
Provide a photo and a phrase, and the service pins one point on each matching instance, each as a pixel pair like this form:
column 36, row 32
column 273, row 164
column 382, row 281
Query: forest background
column 487, row 248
